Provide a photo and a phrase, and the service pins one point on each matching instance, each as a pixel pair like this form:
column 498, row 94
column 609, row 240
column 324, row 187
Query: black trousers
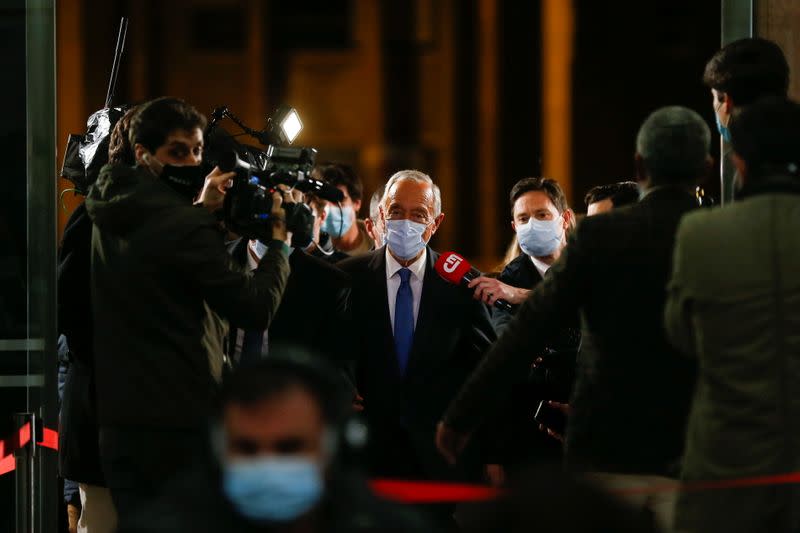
column 138, row 462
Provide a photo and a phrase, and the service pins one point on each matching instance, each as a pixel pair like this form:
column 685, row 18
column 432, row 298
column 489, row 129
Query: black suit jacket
column 519, row 438
column 453, row 331
column 633, row 391
column 313, row 310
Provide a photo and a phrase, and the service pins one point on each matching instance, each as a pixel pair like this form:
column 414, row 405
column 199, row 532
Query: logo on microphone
column 451, row 263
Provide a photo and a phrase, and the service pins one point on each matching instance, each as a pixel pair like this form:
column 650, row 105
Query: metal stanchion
column 24, row 457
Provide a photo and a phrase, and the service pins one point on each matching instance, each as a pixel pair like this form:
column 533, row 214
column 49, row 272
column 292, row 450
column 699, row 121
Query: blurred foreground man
column 161, row 279
column 632, row 392
column 734, row 304
column 274, row 461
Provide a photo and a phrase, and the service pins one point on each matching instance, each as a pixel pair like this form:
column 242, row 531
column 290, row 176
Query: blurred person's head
column 276, row 435
column 341, row 220
column 604, row 198
column 373, row 222
column 672, row 148
column 168, row 129
column 411, row 211
column 741, row 73
column 540, row 217
column 120, row 150
column 766, row 140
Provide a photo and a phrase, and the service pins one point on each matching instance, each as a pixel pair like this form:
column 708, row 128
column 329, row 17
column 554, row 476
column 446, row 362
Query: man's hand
column 213, row 194
column 73, row 515
column 278, row 218
column 490, row 290
column 449, row 442
column 564, row 408
column 358, row 402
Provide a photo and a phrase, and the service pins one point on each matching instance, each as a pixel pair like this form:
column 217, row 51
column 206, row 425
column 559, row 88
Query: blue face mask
column 339, row 221
column 404, row 237
column 540, row 238
column 273, row 489
column 723, row 130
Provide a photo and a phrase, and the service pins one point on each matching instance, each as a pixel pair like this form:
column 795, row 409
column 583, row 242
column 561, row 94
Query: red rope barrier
column 20, row 439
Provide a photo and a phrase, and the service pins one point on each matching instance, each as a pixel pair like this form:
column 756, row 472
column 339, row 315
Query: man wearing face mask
column 348, row 234
column 321, row 245
column 161, row 280
column 632, row 392
column 541, row 219
column 416, row 337
column 276, row 461
column 739, row 74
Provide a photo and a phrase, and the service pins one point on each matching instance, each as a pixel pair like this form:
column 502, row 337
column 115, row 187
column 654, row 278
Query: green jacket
column 161, row 280
column 734, row 304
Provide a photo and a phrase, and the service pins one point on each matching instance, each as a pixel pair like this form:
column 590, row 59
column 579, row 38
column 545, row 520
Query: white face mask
column 540, row 238
column 404, row 237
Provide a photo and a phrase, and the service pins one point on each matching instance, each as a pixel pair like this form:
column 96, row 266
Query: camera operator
column 315, row 290
column 161, row 280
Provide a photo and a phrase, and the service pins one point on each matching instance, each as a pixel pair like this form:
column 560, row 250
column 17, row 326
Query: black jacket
column 453, row 332
column 519, row 437
column 161, row 280
column 78, row 453
column 633, row 390
column 312, row 312
column 194, row 503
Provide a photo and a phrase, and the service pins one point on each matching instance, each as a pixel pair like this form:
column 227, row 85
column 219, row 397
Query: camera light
column 291, row 125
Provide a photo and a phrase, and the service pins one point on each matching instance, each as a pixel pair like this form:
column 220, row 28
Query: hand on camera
column 564, row 408
column 489, row 290
column 213, row 194
column 278, row 217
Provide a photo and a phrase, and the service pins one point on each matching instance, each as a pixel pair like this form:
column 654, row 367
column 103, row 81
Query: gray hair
column 674, row 143
column 375, row 202
column 419, row 177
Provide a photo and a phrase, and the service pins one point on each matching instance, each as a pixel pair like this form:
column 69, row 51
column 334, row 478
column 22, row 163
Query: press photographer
column 162, row 279
column 316, row 292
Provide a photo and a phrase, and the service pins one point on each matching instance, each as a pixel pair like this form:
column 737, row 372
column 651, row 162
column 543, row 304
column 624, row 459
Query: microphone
column 454, row 269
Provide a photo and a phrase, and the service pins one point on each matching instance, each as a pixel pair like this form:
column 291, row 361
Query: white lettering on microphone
column 451, row 263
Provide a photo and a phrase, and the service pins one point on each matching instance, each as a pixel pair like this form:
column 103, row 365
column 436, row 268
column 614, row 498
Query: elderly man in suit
column 632, row 393
column 417, row 338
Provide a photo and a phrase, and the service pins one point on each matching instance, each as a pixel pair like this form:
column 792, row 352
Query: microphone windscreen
column 452, row 267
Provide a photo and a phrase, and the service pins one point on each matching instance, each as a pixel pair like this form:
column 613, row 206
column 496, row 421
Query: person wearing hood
column 161, row 280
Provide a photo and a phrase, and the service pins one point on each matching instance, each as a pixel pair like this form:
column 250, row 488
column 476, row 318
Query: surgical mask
column 540, row 238
column 339, row 220
column 723, row 130
column 404, row 237
column 273, row 488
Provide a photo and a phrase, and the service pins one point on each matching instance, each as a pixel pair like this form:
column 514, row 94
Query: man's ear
column 437, row 222
column 356, row 207
column 139, row 151
column 514, row 226
column 569, row 219
column 322, row 214
column 727, row 103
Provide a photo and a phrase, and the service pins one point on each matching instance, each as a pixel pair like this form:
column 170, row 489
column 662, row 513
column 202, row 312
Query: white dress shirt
column 541, row 266
column 417, row 269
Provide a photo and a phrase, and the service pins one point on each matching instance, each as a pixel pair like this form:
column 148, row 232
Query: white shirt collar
column 417, row 268
column 541, row 266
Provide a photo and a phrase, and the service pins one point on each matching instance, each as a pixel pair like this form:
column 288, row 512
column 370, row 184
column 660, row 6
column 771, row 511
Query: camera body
column 248, row 203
